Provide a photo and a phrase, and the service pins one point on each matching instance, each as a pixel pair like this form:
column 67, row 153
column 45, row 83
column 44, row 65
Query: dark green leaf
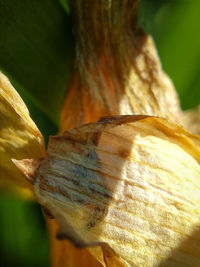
column 175, row 28
column 65, row 5
column 36, row 49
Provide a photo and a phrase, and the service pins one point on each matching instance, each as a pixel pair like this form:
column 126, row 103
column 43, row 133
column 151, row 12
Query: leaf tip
column 28, row 167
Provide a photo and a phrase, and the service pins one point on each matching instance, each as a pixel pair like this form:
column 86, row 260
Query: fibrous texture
column 116, row 69
column 129, row 184
column 126, row 188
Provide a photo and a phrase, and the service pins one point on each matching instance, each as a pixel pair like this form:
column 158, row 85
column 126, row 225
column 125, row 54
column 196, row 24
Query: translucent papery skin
column 19, row 136
column 129, row 184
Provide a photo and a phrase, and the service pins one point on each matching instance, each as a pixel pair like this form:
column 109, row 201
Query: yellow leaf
column 19, row 136
column 129, row 185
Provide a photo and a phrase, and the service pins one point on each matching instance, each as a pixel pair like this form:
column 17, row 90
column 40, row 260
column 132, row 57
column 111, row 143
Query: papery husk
column 19, row 136
column 116, row 71
column 191, row 120
column 129, row 184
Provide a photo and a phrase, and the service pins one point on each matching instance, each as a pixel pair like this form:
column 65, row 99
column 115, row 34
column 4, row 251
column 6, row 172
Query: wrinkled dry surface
column 129, row 184
column 117, row 70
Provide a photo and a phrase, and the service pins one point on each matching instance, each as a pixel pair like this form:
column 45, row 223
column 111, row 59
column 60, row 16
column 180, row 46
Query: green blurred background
column 36, row 48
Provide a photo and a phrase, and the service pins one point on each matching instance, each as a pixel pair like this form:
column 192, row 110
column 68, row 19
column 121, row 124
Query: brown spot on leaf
column 123, row 153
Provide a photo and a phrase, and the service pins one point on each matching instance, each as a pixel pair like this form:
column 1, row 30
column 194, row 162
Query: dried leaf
column 19, row 136
column 130, row 184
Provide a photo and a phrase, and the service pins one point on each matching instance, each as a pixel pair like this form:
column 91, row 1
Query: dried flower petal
column 130, row 184
column 19, row 136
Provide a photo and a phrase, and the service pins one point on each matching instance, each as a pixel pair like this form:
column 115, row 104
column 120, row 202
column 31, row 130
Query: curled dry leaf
column 19, row 136
column 129, row 184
